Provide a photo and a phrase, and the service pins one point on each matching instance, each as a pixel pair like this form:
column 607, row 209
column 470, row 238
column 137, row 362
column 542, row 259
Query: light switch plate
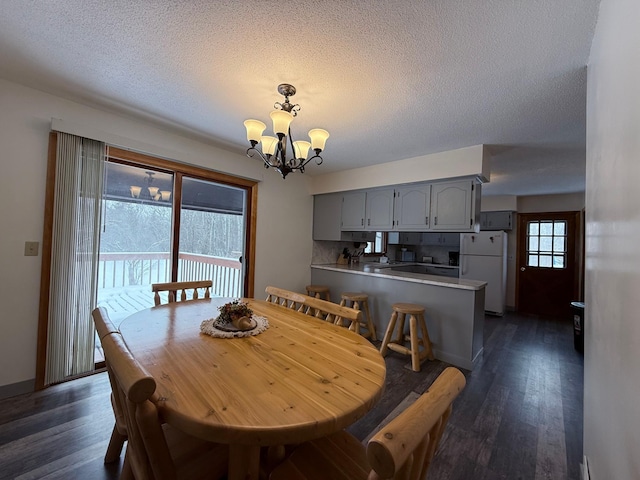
column 31, row 249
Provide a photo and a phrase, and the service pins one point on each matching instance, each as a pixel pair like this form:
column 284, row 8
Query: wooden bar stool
column 318, row 291
column 416, row 320
column 355, row 300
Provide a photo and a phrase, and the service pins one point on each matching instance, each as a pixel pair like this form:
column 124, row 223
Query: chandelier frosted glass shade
column 254, row 129
column 269, row 144
column 281, row 121
column 301, row 149
column 274, row 150
column 318, row 138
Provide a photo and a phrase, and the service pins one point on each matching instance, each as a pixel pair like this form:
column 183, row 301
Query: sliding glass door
column 165, row 226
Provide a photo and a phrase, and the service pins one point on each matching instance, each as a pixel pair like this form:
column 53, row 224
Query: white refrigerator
column 483, row 256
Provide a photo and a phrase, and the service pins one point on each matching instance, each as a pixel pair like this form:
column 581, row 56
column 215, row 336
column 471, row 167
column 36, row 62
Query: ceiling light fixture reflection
column 154, row 192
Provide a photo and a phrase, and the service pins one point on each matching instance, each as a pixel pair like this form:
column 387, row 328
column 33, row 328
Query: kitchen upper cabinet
column 358, row 236
column 412, row 208
column 499, row 220
column 379, row 209
column 441, row 239
column 404, row 238
column 326, row 216
column 453, row 206
column 353, row 210
column 444, row 207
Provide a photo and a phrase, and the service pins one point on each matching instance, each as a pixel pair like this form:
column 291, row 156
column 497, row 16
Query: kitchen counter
column 385, row 270
column 454, row 308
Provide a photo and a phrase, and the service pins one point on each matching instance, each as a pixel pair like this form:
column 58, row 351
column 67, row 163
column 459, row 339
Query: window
column 377, row 246
column 547, row 244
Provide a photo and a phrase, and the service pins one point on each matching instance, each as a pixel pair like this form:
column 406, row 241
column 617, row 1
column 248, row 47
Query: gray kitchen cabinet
column 353, row 211
column 411, row 211
column 404, row 238
column 498, row 220
column 379, row 209
column 426, row 207
column 358, row 236
column 326, row 216
column 453, row 206
column 440, row 239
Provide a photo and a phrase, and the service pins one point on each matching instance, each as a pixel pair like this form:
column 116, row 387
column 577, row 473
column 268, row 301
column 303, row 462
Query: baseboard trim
column 13, row 389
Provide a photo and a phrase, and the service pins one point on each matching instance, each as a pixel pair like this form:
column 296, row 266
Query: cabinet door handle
column 426, row 220
column 435, row 220
column 369, row 222
column 362, row 222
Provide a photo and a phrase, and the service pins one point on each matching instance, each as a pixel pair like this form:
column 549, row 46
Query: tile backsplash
column 326, row 252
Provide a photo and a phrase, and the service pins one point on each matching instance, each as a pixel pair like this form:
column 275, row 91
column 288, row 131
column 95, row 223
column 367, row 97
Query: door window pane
column 547, row 244
column 212, row 238
column 545, row 260
column 559, row 228
column 135, row 241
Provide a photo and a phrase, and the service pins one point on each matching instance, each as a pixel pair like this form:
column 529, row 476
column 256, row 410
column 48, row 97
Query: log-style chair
column 403, row 449
column 178, row 290
column 156, row 451
column 315, row 307
column 286, row 298
column 104, row 327
column 332, row 312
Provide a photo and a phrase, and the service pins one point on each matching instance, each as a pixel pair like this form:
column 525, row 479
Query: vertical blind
column 74, row 261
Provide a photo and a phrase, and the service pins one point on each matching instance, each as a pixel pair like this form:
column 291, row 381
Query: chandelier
column 274, row 150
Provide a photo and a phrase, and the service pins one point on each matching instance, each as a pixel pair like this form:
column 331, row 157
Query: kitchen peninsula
column 454, row 308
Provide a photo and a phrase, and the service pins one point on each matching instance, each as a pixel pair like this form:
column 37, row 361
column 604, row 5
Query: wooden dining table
column 301, row 379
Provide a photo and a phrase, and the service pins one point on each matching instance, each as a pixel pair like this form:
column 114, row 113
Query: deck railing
column 137, row 268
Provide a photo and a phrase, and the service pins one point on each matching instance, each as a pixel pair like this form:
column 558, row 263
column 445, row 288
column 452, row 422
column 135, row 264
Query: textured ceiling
column 389, row 80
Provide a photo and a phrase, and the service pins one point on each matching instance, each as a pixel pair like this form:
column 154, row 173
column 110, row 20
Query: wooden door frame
column 138, row 160
column 578, row 252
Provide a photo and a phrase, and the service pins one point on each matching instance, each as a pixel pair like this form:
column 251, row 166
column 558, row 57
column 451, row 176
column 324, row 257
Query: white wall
column 499, row 202
column 283, row 219
column 566, row 202
column 463, row 162
column 612, row 344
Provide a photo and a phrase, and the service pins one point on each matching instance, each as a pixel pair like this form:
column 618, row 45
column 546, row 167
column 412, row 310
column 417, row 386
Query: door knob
column 522, row 269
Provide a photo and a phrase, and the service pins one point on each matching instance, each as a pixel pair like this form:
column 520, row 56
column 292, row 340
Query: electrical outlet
column 31, row 249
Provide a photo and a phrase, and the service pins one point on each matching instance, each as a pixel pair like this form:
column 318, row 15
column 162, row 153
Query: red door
column 547, row 277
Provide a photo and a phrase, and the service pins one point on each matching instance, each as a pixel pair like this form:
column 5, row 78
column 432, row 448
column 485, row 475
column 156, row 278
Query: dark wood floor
column 520, row 416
